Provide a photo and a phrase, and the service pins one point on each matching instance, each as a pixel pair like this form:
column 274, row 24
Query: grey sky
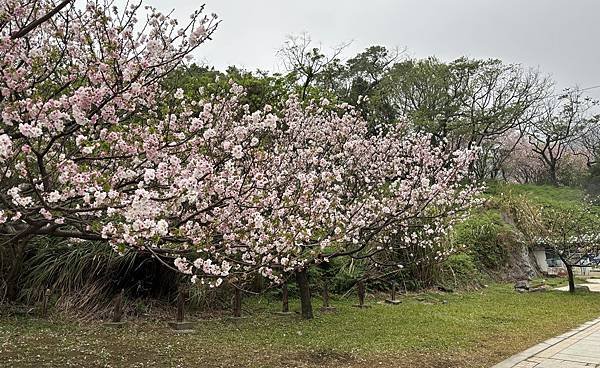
column 558, row 36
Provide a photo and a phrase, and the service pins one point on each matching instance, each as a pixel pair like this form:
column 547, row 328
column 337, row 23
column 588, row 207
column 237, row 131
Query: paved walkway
column 575, row 349
column 594, row 287
column 592, row 284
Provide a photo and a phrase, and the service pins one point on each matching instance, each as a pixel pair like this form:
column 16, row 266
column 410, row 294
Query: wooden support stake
column 45, row 303
column 118, row 307
column 392, row 299
column 285, row 307
column 361, row 293
column 180, row 307
column 361, row 289
column 237, row 303
column 325, row 295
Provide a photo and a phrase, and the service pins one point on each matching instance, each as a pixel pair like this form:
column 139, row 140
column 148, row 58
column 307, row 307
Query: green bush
column 487, row 238
column 340, row 273
column 460, row 270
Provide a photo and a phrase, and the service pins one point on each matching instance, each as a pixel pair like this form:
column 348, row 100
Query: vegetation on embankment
column 491, row 239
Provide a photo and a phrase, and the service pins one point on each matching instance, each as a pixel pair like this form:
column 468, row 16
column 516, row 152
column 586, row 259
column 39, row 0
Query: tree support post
column 45, row 303
column 326, row 308
column 180, row 325
column 285, row 305
column 237, row 303
column 392, row 299
column 117, row 311
column 361, row 290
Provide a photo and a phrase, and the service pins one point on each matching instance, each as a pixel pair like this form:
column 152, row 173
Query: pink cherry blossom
column 215, row 190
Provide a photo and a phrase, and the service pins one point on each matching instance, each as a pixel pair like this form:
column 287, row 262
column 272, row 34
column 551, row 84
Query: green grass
column 474, row 329
column 545, row 195
column 548, row 192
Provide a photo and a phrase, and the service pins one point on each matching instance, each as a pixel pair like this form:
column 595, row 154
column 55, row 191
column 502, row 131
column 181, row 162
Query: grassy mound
column 493, row 245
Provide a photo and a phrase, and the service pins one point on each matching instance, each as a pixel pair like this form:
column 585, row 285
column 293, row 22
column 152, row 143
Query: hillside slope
column 494, row 245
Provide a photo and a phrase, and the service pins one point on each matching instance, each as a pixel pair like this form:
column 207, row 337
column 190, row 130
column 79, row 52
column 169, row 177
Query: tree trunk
column 552, row 176
column 17, row 253
column 571, row 278
column 304, row 289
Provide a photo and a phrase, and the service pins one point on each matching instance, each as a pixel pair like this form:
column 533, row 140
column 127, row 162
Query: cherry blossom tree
column 522, row 165
column 94, row 147
column 306, row 186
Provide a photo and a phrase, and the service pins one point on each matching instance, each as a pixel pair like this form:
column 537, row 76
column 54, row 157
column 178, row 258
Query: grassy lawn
column 471, row 329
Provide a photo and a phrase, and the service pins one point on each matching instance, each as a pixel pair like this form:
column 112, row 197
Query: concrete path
column 575, row 349
column 595, row 287
column 592, row 284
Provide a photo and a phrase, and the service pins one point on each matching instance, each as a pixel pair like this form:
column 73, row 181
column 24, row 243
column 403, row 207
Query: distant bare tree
column 559, row 130
column 301, row 56
column 589, row 144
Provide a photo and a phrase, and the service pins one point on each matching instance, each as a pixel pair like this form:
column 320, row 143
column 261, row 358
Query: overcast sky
column 561, row 37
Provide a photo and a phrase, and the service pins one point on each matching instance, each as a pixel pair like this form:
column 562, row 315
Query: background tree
column 360, row 82
column 467, row 103
column 573, row 237
column 306, row 62
column 522, row 165
column 569, row 231
column 559, row 130
column 260, row 88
